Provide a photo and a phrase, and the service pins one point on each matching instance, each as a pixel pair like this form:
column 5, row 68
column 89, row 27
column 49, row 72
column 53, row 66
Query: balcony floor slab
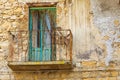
column 37, row 66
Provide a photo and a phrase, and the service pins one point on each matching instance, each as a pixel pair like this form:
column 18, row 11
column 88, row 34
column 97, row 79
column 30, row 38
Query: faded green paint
column 35, row 52
column 41, row 41
column 42, row 8
column 30, row 35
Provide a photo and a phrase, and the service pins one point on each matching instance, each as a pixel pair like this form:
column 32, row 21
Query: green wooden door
column 41, row 22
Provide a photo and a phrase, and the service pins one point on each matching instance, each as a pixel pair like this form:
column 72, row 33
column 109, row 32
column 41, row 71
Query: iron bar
column 59, row 48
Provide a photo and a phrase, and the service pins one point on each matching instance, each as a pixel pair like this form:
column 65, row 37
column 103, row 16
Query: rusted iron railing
column 40, row 45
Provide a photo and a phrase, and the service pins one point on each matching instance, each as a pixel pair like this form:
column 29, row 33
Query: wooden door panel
column 42, row 21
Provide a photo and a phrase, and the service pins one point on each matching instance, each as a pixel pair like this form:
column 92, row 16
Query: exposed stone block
column 88, row 64
column 64, row 75
column 114, row 73
column 90, row 79
column 89, row 74
column 11, row 1
column 13, row 17
column 101, row 64
column 85, row 74
column 3, row 1
column 116, row 23
column 112, row 65
column 101, row 78
column 104, row 73
column 18, row 11
column 6, row 16
column 43, row 75
column 111, row 78
column 106, row 38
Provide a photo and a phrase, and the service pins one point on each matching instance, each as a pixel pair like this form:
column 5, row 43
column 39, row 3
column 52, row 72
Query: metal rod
column 61, row 45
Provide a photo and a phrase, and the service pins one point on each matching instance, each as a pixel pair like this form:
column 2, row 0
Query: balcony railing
column 40, row 46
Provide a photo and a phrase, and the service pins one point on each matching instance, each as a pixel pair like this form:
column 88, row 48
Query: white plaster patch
column 109, row 52
column 77, row 64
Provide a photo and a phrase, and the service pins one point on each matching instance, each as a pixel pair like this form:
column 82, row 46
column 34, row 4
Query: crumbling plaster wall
column 107, row 20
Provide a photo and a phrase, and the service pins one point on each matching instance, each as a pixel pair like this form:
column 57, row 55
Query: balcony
column 38, row 50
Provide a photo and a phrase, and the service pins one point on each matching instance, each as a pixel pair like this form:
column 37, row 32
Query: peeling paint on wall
column 106, row 19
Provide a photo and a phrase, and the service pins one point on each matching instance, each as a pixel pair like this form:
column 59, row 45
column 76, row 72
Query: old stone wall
column 95, row 25
column 89, row 70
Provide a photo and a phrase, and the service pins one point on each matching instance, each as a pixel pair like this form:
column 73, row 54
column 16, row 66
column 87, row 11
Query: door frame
column 31, row 28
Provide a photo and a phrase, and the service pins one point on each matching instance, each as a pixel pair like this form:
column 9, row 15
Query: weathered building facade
column 93, row 39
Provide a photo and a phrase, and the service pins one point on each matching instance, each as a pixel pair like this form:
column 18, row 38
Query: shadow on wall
column 86, row 55
column 105, row 4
